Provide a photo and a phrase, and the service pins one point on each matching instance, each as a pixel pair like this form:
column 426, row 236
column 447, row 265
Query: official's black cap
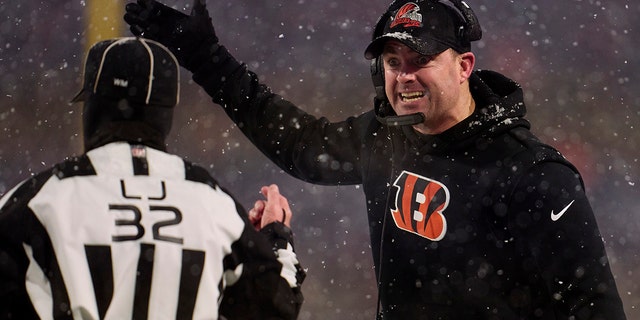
column 139, row 70
column 427, row 27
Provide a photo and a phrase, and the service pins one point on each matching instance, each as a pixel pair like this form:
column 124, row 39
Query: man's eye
column 393, row 62
column 422, row 61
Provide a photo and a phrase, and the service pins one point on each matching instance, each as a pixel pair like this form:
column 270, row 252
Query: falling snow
column 576, row 60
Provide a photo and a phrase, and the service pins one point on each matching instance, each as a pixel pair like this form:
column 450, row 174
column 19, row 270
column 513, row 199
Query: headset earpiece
column 377, row 75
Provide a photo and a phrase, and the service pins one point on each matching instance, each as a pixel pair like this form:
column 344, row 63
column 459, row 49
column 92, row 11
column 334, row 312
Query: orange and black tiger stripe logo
column 420, row 203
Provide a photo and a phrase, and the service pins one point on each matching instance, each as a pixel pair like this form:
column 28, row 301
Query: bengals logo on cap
column 407, row 16
column 419, row 205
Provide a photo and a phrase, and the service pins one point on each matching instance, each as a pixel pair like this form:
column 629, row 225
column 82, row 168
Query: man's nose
column 406, row 75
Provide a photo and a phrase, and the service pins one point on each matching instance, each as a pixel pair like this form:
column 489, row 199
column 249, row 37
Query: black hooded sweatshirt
column 483, row 221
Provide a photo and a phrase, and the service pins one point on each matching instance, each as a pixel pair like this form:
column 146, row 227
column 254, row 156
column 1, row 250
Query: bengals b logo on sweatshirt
column 420, row 203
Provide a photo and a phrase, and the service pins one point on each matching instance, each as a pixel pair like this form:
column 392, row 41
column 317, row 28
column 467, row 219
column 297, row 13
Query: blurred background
column 577, row 61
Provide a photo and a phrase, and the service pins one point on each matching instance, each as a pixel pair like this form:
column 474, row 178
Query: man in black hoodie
column 471, row 216
column 129, row 231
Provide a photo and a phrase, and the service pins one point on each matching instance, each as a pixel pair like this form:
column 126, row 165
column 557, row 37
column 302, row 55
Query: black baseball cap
column 139, row 70
column 427, row 27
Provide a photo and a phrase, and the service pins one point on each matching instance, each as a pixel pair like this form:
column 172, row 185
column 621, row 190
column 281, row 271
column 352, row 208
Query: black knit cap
column 427, row 27
column 138, row 70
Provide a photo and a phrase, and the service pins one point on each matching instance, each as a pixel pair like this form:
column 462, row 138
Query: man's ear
column 467, row 63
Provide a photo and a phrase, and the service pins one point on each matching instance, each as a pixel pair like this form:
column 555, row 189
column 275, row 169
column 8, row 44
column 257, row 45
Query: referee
column 129, row 231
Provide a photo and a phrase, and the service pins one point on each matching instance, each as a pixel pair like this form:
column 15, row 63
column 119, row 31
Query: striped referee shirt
column 129, row 232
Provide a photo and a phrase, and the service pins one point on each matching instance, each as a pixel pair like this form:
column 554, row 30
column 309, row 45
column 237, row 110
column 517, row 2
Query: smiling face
column 435, row 85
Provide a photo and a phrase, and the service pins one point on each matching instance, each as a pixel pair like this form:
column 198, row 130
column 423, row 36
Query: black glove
column 186, row 36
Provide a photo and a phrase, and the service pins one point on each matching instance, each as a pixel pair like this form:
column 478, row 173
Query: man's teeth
column 411, row 96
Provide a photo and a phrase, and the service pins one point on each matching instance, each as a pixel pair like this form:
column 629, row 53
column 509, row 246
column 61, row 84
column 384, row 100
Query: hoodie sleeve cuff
column 278, row 234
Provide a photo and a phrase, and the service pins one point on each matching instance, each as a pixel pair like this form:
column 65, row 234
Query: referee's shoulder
column 72, row 167
column 196, row 173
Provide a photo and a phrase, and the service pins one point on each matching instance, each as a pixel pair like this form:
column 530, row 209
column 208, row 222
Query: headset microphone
column 386, row 117
column 404, row 120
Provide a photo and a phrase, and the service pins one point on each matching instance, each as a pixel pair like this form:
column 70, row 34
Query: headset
column 469, row 31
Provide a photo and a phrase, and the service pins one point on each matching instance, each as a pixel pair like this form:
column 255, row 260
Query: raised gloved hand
column 187, row 36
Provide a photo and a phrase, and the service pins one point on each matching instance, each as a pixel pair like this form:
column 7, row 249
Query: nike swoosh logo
column 555, row 217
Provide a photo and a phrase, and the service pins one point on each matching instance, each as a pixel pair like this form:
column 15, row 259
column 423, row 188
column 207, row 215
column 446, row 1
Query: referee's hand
column 274, row 209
